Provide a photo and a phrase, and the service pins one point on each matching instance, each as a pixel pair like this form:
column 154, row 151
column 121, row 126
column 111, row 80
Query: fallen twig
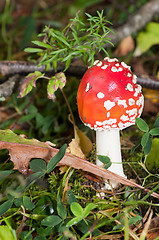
column 18, row 70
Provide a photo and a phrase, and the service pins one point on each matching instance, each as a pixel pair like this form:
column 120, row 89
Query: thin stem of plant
column 70, row 110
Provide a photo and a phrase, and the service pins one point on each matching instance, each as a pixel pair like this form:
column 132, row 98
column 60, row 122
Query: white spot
column 131, row 101
column 129, row 75
column 95, row 62
column 104, row 66
column 114, row 69
column 114, row 126
column 134, row 79
column 100, row 95
column 106, row 58
column 106, row 124
column 87, row 87
column 138, row 89
column 112, row 60
column 99, row 64
column 117, row 64
column 124, row 118
column 125, row 65
column 122, row 102
column 109, row 121
column 51, row 210
column 108, row 104
column 135, row 94
column 99, row 123
column 141, row 99
column 108, row 114
column 129, row 87
column 132, row 111
column 132, row 119
column 140, row 111
column 138, row 102
column 120, row 69
column 127, row 124
column 120, row 125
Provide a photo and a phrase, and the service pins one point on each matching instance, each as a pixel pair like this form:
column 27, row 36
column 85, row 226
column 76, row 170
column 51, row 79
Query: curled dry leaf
column 21, row 150
column 126, row 46
column 75, row 149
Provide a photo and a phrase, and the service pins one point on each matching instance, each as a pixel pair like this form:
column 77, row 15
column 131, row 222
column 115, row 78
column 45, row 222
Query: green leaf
column 154, row 131
column 74, row 221
column 76, row 209
column 106, row 160
column 37, row 165
column 18, row 201
column 61, row 209
column 70, row 197
column 134, row 220
column 142, row 125
column 33, row 178
column 33, row 50
column 88, row 208
column 5, row 233
column 145, row 139
column 145, row 40
column 26, row 235
column 56, row 159
column 147, row 147
column 156, row 124
column 4, row 174
column 26, row 118
column 57, row 81
column 28, row 204
column 11, row 137
column 42, row 44
column 29, row 83
column 152, row 159
column 4, row 207
column 51, row 221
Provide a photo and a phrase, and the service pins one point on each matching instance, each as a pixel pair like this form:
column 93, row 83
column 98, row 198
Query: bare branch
column 20, row 69
column 135, row 22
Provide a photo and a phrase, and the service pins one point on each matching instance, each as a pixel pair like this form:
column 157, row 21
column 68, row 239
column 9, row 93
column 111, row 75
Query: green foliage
column 56, row 159
column 146, row 139
column 106, row 160
column 78, row 39
column 6, row 234
column 30, row 82
column 79, row 213
column 148, row 38
column 40, row 169
column 4, row 207
column 152, row 159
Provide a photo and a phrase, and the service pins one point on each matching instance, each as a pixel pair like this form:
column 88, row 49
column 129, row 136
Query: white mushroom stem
column 108, row 144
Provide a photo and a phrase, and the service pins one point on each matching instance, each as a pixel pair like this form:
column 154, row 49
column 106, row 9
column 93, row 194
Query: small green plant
column 78, row 39
column 39, row 169
column 146, row 139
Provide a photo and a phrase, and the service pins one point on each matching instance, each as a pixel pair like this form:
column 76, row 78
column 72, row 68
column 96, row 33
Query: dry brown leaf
column 126, row 46
column 153, row 231
column 83, row 141
column 75, row 149
column 21, row 153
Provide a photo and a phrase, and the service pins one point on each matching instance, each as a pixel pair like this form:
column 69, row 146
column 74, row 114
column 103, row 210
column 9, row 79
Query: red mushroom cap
column 108, row 96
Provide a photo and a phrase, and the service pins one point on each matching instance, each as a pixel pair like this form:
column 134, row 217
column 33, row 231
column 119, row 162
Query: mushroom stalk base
column 108, row 144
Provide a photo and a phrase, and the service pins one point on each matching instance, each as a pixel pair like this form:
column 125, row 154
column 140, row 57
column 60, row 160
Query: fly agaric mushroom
column 109, row 100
